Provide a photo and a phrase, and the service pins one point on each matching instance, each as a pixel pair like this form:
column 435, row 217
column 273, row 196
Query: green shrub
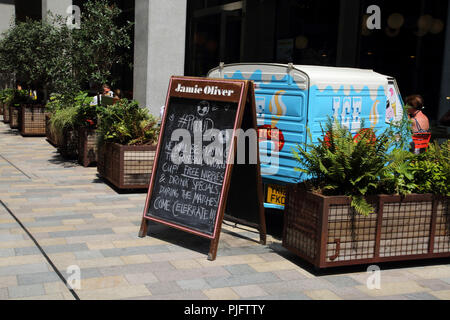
column 20, row 97
column 127, row 124
column 7, row 96
column 70, row 113
column 63, row 119
column 86, row 113
column 431, row 170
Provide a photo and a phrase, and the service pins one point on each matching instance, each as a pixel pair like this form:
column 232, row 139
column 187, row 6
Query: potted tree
column 38, row 53
column 95, row 51
column 365, row 202
column 127, row 136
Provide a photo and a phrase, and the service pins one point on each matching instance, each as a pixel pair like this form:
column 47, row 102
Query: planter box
column 87, row 146
column 1, row 108
column 53, row 138
column 14, row 117
column 6, row 115
column 32, row 121
column 69, row 145
column 326, row 232
column 126, row 167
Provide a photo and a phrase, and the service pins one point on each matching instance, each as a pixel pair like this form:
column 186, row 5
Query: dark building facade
column 410, row 43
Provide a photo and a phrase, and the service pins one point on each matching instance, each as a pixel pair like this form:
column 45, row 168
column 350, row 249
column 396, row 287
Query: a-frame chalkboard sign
column 200, row 173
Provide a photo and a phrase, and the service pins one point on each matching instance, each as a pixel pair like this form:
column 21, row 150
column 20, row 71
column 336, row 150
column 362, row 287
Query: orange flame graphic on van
column 374, row 115
column 277, row 107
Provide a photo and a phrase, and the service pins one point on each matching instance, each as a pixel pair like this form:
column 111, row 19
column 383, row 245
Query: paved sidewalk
column 79, row 220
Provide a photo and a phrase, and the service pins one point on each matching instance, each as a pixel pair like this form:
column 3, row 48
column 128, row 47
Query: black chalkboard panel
column 188, row 194
column 194, row 168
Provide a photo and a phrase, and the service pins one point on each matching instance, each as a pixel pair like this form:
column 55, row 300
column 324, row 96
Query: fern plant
column 397, row 177
column 342, row 165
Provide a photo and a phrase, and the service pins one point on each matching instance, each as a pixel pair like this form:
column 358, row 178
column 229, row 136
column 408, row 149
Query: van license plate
column 276, row 195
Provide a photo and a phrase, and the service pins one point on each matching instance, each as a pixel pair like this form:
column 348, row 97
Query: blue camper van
column 290, row 99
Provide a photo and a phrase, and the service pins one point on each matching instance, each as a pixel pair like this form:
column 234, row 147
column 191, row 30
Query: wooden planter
column 126, row 167
column 6, row 115
column 32, row 121
column 87, row 146
column 326, row 232
column 14, row 117
column 69, row 144
column 53, row 138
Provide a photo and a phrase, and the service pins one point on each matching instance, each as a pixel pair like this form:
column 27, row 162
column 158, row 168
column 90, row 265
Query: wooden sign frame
column 243, row 95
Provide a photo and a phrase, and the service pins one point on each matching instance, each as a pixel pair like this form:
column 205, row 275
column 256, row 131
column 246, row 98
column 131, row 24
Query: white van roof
column 319, row 76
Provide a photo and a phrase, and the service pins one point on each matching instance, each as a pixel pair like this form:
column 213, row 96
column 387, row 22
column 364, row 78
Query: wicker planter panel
column 1, row 108
column 442, row 233
column 406, row 228
column 33, row 121
column 350, row 236
column 325, row 232
column 87, row 147
column 126, row 167
column 6, row 115
column 302, row 230
column 69, row 145
column 14, row 118
column 53, row 138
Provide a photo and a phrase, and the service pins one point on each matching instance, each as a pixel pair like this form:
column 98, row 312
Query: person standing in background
column 107, row 91
column 420, row 122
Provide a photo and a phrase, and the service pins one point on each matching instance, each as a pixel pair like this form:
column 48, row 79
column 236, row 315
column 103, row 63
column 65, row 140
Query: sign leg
column 262, row 238
column 213, row 248
column 143, row 230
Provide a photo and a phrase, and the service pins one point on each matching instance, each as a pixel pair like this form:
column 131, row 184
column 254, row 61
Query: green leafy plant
column 7, row 96
column 342, row 165
column 127, row 124
column 86, row 113
column 431, row 170
column 73, row 113
column 20, row 97
column 63, row 119
column 57, row 102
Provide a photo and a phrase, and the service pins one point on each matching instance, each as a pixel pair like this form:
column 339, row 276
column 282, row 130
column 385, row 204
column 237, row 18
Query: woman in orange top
column 420, row 123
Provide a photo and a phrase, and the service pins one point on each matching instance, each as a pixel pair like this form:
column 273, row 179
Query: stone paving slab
column 80, row 221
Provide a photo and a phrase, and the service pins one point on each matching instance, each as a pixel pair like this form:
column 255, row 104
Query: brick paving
column 79, row 220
